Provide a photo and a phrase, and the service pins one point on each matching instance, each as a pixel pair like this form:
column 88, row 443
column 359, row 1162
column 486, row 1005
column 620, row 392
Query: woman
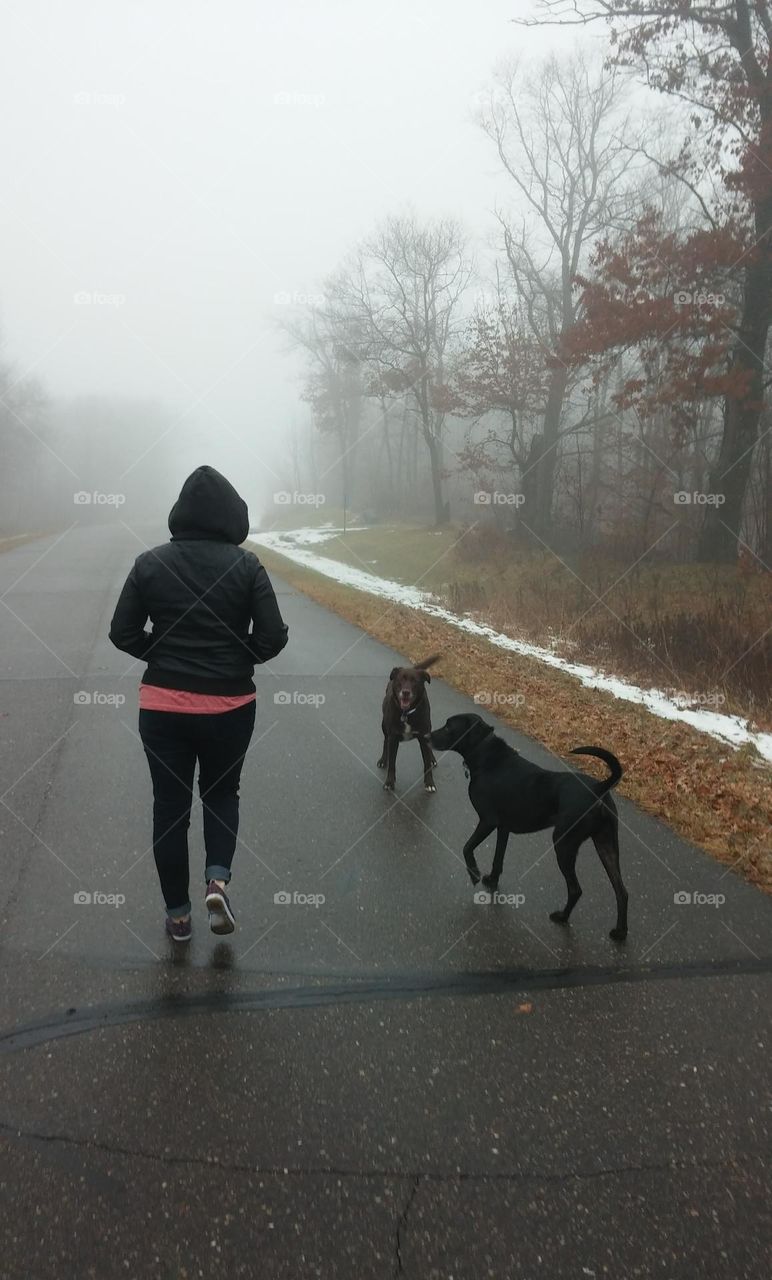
column 201, row 590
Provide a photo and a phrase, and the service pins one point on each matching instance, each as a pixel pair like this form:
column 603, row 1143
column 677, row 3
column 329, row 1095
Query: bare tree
column 499, row 383
column 561, row 137
column 716, row 58
column 333, row 383
column 24, row 449
column 401, row 293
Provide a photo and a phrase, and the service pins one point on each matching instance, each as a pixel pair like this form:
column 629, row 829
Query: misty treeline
column 84, row 459
column 601, row 380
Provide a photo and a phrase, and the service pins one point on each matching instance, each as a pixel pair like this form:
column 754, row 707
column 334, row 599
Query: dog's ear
column 426, row 677
column 478, row 730
column 482, row 730
column 394, row 671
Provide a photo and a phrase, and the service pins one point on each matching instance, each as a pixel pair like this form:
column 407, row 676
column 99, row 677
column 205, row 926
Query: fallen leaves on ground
column 716, row 797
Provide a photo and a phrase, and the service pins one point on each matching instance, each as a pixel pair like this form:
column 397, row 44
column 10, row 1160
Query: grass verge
column 710, row 794
column 18, row 540
column 702, row 631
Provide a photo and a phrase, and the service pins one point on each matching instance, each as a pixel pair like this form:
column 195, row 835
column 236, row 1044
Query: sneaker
column 221, row 917
column 179, row 930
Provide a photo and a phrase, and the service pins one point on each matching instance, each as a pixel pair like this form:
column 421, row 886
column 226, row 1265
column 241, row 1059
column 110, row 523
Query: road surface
column 379, row 1076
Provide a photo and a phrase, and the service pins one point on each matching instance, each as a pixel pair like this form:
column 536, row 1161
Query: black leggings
column 173, row 742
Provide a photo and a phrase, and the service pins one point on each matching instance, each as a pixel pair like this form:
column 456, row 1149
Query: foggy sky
column 169, row 169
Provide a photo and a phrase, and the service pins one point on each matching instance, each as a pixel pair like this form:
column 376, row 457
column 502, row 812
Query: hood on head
column 209, row 507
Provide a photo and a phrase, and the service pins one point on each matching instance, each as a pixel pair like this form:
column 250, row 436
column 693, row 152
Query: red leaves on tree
column 672, row 301
column 501, row 368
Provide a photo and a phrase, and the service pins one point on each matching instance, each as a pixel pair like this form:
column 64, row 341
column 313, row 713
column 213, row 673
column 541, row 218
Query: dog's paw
column 388, row 786
column 490, row 882
column 380, row 764
column 429, row 786
column 618, row 935
column 559, row 917
column 474, row 875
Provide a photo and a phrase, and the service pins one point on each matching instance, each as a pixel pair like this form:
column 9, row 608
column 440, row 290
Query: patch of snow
column 309, row 537
column 731, row 729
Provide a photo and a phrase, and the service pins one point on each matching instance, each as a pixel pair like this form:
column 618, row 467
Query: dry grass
column 700, row 630
column 718, row 798
column 18, row 540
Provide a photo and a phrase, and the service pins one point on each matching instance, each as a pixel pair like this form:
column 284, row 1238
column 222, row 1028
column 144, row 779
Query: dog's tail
column 427, row 662
column 607, row 758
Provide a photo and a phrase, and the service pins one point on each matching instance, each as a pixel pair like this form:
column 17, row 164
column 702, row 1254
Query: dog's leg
column 566, row 851
column 480, row 833
column 381, row 764
column 491, row 881
column 606, row 842
column 429, row 760
column 392, row 745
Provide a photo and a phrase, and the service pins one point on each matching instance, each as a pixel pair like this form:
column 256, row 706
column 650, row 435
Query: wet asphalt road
column 380, row 1076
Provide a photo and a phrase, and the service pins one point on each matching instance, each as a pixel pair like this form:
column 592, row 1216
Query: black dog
column 511, row 794
column 406, row 715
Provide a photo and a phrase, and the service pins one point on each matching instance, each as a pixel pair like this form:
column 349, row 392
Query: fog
column 176, row 178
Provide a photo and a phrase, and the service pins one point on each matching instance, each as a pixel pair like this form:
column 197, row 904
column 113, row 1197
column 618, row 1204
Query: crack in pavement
column 416, row 1176
column 402, row 1225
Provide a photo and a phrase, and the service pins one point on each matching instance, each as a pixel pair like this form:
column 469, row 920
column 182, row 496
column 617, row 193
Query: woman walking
column 201, row 592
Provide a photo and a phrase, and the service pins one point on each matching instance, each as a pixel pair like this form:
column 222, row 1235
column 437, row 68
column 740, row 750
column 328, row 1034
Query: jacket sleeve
column 269, row 633
column 127, row 629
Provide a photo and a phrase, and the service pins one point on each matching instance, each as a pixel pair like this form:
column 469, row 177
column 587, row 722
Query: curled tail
column 427, row 662
column 616, row 769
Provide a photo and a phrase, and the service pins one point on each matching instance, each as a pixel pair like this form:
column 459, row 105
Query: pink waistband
column 153, row 697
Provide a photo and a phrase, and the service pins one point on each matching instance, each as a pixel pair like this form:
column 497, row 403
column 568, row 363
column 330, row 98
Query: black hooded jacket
column 201, row 592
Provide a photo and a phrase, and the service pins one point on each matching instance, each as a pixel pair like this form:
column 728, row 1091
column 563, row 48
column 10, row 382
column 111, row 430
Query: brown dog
column 406, row 715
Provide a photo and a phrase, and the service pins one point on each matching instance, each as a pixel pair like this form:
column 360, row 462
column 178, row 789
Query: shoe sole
column 221, row 920
column 185, row 938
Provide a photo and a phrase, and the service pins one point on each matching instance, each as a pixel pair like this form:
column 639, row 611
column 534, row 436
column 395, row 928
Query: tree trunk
column 435, row 459
column 730, row 473
column 597, row 447
column 389, row 495
column 729, row 478
column 547, row 462
column 345, row 469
